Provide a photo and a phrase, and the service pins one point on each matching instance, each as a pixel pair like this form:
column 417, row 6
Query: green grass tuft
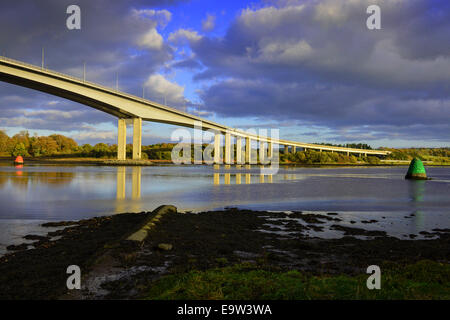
column 423, row 280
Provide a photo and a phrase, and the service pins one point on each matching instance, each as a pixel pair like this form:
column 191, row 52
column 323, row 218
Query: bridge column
column 217, row 148
column 227, row 148
column 269, row 150
column 294, row 149
column 286, row 149
column 121, row 139
column 248, row 150
column 262, row 152
column 238, row 150
column 121, row 180
column 136, row 182
column 137, row 138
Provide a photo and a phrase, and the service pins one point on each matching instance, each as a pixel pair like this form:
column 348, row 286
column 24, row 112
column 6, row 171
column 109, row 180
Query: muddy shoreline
column 113, row 267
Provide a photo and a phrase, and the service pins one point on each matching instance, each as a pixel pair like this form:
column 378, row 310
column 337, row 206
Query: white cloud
column 269, row 17
column 95, row 135
column 151, row 40
column 159, row 88
column 209, row 23
column 331, row 12
column 22, row 121
column 162, row 17
column 276, row 51
column 183, row 35
column 53, row 114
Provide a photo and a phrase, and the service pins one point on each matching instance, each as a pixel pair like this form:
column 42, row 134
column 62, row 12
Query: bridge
column 130, row 109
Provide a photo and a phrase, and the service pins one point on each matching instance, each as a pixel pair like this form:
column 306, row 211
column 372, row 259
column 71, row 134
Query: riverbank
column 152, row 162
column 86, row 161
column 230, row 254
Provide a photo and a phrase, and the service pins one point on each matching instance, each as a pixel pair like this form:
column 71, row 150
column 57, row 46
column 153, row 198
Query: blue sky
column 310, row 68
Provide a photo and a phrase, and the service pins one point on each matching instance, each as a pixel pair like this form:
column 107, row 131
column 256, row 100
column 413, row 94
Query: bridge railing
column 65, row 75
column 98, row 86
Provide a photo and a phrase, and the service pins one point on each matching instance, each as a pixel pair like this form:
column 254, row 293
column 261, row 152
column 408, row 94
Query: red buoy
column 19, row 159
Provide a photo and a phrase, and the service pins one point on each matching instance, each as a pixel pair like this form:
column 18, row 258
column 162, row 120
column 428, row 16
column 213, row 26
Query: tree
column 86, row 150
column 43, row 146
column 4, row 141
column 101, row 150
column 22, row 137
column 373, row 160
column 65, row 144
column 19, row 150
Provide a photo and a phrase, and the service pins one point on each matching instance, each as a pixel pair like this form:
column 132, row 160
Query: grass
column 423, row 280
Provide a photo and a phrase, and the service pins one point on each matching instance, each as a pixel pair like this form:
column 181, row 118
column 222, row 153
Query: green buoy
column 416, row 170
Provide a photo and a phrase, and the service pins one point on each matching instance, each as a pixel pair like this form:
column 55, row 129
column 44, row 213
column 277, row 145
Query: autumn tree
column 4, row 141
column 65, row 144
column 43, row 146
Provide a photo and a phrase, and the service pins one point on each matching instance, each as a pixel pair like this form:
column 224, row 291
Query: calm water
column 33, row 194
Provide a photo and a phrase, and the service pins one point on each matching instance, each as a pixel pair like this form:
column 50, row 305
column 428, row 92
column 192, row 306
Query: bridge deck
column 125, row 105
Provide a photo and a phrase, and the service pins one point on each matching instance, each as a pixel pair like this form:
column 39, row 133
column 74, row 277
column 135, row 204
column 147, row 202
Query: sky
column 310, row 68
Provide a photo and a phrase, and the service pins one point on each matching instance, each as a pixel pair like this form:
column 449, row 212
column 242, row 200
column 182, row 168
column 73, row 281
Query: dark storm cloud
column 330, row 40
column 187, row 64
column 330, row 104
column 116, row 38
column 315, row 61
column 311, row 63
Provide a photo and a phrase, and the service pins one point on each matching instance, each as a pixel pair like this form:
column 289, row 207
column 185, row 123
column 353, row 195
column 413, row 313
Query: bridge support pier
column 294, row 149
column 136, row 183
column 286, row 149
column 121, row 180
column 262, row 152
column 227, row 148
column 248, row 150
column 217, row 148
column 137, row 138
column 121, row 139
column 238, row 150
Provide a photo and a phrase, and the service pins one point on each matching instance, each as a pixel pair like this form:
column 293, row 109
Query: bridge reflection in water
column 121, row 192
column 236, row 178
column 242, row 178
column 219, row 178
column 136, row 173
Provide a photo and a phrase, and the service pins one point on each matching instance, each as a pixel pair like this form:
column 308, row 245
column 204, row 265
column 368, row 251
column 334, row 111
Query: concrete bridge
column 130, row 109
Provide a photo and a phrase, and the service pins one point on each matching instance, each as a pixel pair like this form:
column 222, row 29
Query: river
column 33, row 194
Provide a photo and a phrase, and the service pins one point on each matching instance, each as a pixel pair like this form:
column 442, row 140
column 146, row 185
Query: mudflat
column 182, row 243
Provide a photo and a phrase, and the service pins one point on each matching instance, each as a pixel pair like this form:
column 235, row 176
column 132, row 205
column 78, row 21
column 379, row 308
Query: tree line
column 23, row 144
column 424, row 154
column 316, row 157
